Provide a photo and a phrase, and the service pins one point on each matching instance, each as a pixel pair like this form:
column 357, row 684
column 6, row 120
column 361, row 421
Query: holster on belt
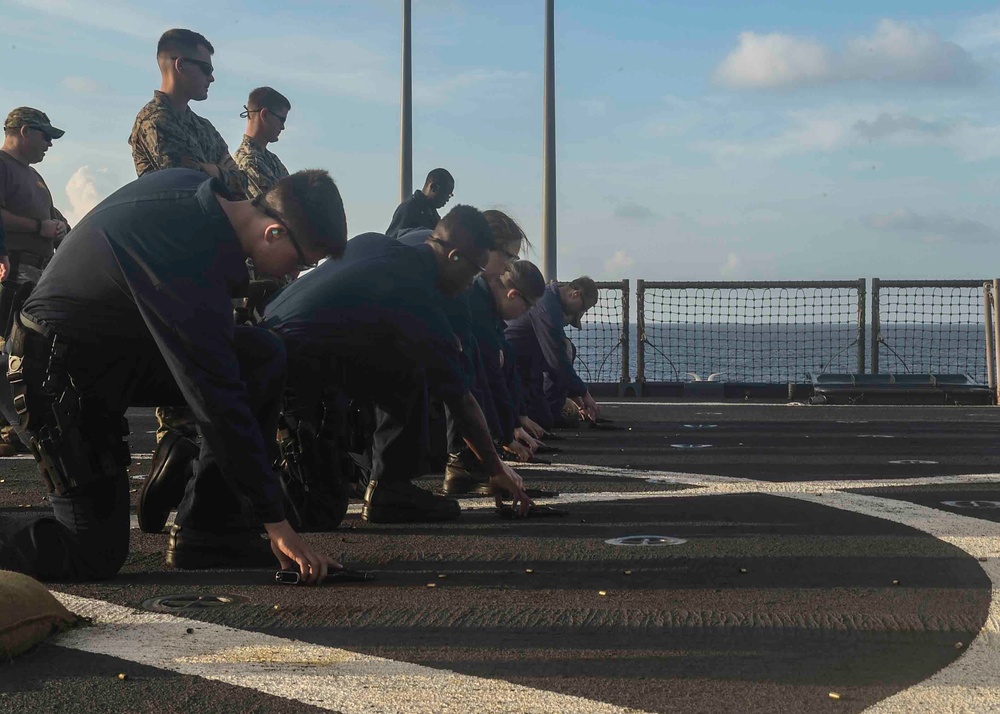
column 48, row 406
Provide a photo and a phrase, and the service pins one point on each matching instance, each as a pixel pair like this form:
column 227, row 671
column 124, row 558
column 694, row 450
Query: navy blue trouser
column 398, row 395
column 531, row 372
column 87, row 536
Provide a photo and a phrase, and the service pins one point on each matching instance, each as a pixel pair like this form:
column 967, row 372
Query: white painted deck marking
column 348, row 682
column 324, row 677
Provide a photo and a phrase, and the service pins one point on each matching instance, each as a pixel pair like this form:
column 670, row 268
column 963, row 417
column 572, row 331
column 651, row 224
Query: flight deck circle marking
column 972, row 504
column 645, row 540
column 190, row 601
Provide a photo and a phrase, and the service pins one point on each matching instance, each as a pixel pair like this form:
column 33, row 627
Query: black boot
column 404, row 502
column 195, row 550
column 168, row 477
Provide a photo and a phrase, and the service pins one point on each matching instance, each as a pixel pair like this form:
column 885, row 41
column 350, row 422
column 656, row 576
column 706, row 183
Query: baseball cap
column 35, row 118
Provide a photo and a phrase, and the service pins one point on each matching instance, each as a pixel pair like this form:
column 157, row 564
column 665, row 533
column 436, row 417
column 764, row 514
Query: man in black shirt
column 373, row 327
column 135, row 309
column 420, row 209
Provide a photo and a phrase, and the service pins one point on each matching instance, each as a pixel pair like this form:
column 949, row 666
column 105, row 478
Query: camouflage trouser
column 179, row 419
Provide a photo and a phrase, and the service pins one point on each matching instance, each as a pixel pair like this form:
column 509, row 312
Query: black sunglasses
column 304, row 262
column 47, row 135
column 206, row 67
column 247, row 112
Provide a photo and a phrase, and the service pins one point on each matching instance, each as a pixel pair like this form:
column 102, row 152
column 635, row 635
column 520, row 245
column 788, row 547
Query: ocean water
column 776, row 352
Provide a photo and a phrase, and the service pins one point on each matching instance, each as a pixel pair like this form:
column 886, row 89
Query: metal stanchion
column 996, row 337
column 988, row 297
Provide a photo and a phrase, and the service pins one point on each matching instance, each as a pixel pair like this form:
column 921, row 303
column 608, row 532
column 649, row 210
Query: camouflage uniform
column 262, row 168
column 162, row 138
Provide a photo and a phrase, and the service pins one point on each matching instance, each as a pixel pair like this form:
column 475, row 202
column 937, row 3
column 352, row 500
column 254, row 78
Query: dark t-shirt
column 159, row 261
column 23, row 192
column 378, row 306
column 413, row 213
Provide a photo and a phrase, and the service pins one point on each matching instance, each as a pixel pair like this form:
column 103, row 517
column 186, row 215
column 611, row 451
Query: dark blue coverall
column 141, row 294
column 539, row 340
column 372, row 326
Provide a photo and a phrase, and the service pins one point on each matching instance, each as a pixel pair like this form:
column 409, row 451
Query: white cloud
column 935, row 227
column 618, row 263
column 774, row 61
column 83, row 194
column 897, row 52
column 84, row 85
column 894, row 53
column 731, row 267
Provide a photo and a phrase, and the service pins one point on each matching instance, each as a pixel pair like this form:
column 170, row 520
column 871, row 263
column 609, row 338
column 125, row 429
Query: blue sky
column 696, row 140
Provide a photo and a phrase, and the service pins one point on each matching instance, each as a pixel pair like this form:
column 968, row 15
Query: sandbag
column 28, row 614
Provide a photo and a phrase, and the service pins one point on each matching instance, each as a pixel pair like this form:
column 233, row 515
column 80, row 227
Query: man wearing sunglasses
column 166, row 133
column 135, row 310
column 33, row 225
column 421, row 209
column 373, row 328
column 266, row 111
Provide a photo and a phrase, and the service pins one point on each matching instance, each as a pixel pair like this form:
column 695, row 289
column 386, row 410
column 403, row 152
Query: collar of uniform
column 236, row 273
column 206, row 195
column 482, row 285
column 427, row 262
column 164, row 100
column 248, row 141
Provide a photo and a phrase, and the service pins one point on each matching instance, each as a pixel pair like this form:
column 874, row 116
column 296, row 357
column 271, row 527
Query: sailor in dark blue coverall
column 457, row 309
column 373, row 327
column 136, row 310
column 543, row 362
column 491, row 302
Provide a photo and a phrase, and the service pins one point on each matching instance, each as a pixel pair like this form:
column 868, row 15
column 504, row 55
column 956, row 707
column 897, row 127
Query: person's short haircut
column 471, row 223
column 525, row 277
column 588, row 288
column 507, row 234
column 267, row 98
column 178, row 42
column 309, row 204
column 441, row 177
